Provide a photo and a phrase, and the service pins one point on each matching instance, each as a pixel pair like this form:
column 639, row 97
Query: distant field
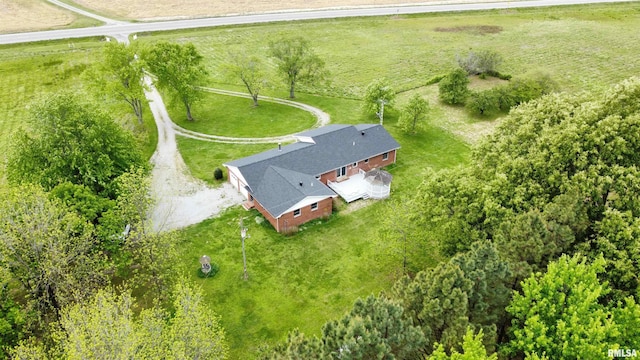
column 146, row 10
column 31, row 15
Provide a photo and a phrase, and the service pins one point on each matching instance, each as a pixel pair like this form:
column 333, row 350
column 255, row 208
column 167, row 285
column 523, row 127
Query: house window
column 385, row 156
column 314, row 206
column 355, row 164
column 341, row 171
column 296, row 213
column 366, row 161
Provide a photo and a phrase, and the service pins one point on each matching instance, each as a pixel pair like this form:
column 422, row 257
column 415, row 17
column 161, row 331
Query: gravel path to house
column 180, row 199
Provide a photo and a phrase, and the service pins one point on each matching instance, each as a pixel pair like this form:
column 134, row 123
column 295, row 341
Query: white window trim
column 366, row 161
column 355, row 164
column 316, row 208
column 299, row 213
column 385, row 156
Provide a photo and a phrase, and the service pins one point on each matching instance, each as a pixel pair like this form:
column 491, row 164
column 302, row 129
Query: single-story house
column 296, row 183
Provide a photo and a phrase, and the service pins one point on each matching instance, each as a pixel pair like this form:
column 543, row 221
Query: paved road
column 120, row 29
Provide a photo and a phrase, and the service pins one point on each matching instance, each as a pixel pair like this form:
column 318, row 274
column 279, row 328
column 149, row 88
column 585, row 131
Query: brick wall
column 325, row 207
column 374, row 162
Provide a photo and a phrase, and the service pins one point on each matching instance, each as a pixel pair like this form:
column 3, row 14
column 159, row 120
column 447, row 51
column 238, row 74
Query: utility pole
column 244, row 235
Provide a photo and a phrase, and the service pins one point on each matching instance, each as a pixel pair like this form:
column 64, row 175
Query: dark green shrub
column 214, row 270
column 453, row 87
column 217, row 174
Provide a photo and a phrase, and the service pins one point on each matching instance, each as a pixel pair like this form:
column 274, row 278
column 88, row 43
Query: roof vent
column 300, row 183
column 354, row 143
column 362, row 133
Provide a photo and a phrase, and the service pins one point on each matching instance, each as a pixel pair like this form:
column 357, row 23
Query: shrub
column 217, row 174
column 453, row 87
column 483, row 103
column 435, row 79
column 480, row 62
column 214, row 270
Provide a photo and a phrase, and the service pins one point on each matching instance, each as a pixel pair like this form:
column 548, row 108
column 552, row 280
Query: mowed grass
column 237, row 117
column 581, row 47
column 300, row 281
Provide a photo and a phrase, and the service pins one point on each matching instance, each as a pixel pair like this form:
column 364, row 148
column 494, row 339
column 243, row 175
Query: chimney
column 279, row 146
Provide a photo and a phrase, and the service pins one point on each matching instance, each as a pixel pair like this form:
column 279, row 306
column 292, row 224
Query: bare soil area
column 31, row 15
column 146, row 10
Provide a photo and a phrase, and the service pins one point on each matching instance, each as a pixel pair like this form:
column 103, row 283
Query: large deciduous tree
column 120, row 75
column 560, row 315
column 105, row 327
column 297, row 62
column 72, row 141
column 179, row 71
column 47, row 249
column 250, row 70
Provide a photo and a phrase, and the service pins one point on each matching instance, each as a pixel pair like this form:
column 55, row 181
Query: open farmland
column 171, row 9
column 32, row 15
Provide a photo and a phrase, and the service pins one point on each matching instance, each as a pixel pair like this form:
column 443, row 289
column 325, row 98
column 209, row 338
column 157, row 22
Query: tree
column 13, row 321
column 483, row 103
column 414, row 113
column 119, row 75
column 472, row 349
column 480, row 62
column 378, row 94
column 48, row 250
column 559, row 314
column 375, row 328
column 105, row 327
column 401, row 237
column 437, row 301
column 179, row 70
column 249, row 69
column 73, row 142
column 453, row 87
column 297, row 62
column 489, row 275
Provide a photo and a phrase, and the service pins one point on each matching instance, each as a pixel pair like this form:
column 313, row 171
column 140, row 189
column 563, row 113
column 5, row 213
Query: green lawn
column 237, row 117
column 300, row 281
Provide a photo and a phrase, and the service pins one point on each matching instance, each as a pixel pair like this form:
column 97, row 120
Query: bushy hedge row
column 503, row 98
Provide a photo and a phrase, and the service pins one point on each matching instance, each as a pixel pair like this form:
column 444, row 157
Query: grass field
column 237, row 117
column 581, row 47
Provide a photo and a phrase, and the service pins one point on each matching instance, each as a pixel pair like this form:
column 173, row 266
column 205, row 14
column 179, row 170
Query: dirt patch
column 165, row 9
column 31, row 15
column 472, row 29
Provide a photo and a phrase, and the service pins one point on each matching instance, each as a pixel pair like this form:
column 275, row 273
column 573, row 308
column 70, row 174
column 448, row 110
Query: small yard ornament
column 205, row 261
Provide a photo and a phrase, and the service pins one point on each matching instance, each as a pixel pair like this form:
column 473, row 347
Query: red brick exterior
column 374, row 162
column 288, row 223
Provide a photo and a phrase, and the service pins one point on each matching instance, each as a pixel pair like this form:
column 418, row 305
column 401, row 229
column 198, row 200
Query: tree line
column 542, row 234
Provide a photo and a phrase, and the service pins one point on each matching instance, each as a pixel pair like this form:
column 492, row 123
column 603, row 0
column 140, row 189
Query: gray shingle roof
column 335, row 146
column 280, row 189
